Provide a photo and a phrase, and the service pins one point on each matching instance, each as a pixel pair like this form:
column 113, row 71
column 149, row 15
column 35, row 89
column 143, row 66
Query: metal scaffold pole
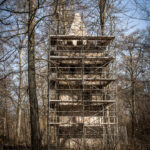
column 48, row 93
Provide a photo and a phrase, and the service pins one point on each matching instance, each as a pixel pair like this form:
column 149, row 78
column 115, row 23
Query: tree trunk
column 133, row 108
column 102, row 7
column 34, row 114
column 20, row 94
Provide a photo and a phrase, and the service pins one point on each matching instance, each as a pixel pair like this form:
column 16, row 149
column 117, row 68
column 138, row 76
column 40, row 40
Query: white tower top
column 78, row 27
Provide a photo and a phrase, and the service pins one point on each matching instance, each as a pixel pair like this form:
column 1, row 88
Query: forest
column 25, row 29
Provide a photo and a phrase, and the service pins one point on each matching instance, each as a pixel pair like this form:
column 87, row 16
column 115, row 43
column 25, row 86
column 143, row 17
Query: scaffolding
column 82, row 105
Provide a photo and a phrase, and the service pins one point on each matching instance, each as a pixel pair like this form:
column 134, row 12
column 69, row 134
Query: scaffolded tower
column 82, row 102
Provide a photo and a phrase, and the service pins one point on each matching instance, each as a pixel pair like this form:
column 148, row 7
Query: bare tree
column 20, row 97
column 102, row 7
column 34, row 114
column 131, row 73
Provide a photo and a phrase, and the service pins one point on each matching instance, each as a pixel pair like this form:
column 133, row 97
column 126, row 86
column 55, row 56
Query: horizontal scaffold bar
column 79, row 107
column 93, row 113
column 67, row 124
column 71, row 37
column 61, row 67
column 60, row 62
column 80, row 79
column 82, row 57
column 86, row 89
column 89, row 45
column 81, row 49
column 78, row 50
column 92, row 136
column 82, row 101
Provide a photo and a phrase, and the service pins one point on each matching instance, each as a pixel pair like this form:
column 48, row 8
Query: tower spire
column 78, row 27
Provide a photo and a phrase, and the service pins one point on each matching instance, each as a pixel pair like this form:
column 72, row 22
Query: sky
column 134, row 15
column 129, row 16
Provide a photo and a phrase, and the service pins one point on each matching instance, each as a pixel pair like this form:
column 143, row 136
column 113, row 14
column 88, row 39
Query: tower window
column 79, row 43
column 86, row 70
column 69, row 43
column 72, row 69
column 86, row 96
